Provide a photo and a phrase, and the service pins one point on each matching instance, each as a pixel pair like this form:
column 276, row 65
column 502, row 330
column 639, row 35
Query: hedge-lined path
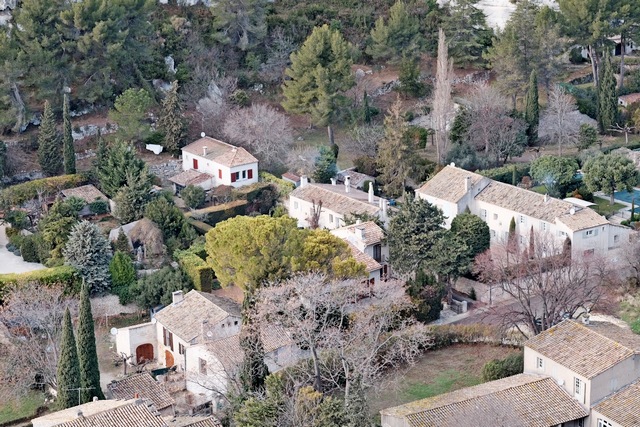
column 10, row 263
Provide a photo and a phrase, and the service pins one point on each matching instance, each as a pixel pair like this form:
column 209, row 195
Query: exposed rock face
column 8, row 4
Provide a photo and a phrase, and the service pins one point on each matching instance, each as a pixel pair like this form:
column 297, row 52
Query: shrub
column 215, row 214
column 240, row 98
column 18, row 194
column 197, row 269
column 366, row 165
column 635, row 326
column 506, row 173
column 63, row 275
column 502, row 368
column 123, row 277
column 18, row 219
column 284, row 187
column 575, row 56
column 418, row 135
column 99, row 207
column 29, row 250
column 193, row 196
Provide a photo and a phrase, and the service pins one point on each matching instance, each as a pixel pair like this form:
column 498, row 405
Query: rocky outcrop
column 8, row 4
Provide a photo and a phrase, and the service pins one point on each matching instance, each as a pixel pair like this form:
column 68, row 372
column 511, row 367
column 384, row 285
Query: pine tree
column 409, row 78
column 117, row 163
column 399, row 35
column 366, row 108
column 68, row 376
column 123, row 276
column 532, row 112
column 88, row 250
column 122, row 243
column 607, row 97
column 467, row 32
column 67, row 139
column 325, row 167
column 253, row 370
column 49, row 150
column 319, row 74
column 171, row 122
column 87, row 354
column 131, row 199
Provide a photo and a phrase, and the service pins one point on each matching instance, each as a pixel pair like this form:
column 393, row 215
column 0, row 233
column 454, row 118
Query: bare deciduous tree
column 214, row 106
column 561, row 126
column 547, row 284
column 33, row 316
column 363, row 140
column 357, row 329
column 302, row 159
column 265, row 131
column 279, row 48
column 442, row 102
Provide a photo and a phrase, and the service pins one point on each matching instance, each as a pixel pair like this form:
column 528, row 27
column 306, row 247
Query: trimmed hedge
column 201, row 227
column 64, row 274
column 284, row 187
column 506, row 173
column 215, row 214
column 501, row 368
column 250, row 192
column 16, row 195
column 196, row 268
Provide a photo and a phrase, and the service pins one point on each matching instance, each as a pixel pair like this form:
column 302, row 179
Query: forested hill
column 100, row 48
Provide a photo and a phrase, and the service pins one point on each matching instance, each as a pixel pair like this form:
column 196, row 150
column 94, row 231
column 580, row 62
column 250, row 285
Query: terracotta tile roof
column 145, row 386
column 88, row 193
column 185, row 318
column 373, row 234
column 586, row 350
column 290, row 176
column 623, row 407
column 630, row 98
column 230, row 354
column 220, row 152
column 134, row 414
column 370, row 263
column 525, row 399
column 335, row 199
column 189, row 177
column 194, row 422
column 449, row 184
column 583, row 218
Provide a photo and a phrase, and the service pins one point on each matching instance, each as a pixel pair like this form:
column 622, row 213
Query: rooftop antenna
column 79, row 389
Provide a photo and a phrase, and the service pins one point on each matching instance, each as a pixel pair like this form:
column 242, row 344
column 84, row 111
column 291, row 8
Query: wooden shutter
column 164, row 336
column 250, row 174
column 233, row 177
column 220, row 173
column 195, row 164
column 171, row 340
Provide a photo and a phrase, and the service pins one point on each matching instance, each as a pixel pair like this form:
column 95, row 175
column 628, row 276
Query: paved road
column 10, row 263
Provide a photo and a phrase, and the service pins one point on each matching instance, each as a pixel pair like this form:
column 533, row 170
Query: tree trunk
column 622, row 49
column 330, row 133
column 347, row 379
column 611, row 201
column 594, row 65
column 317, row 382
column 20, row 114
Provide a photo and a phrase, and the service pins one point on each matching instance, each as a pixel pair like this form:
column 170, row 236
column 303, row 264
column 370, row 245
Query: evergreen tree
column 122, row 243
column 409, row 78
column 123, row 276
column 130, row 112
column 49, row 150
column 607, row 97
column 131, row 199
column 68, row 375
column 426, row 294
column 88, row 250
column 87, row 354
column 101, row 150
column 253, row 370
column 325, row 167
column 587, row 136
column 240, row 24
column 460, row 126
column 366, row 108
column 3, row 161
column 532, row 112
column 395, row 152
column 118, row 164
column 193, row 196
column 171, row 122
column 67, row 139
column 400, row 35
column 319, row 74
column 467, row 32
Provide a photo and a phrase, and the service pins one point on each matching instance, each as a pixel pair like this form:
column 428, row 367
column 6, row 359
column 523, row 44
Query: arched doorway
column 144, row 353
column 168, row 357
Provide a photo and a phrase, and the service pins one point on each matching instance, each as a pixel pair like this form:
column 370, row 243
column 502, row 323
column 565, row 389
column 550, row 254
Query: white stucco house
column 199, row 334
column 576, row 374
column 454, row 190
column 209, row 162
column 337, row 202
column 368, row 246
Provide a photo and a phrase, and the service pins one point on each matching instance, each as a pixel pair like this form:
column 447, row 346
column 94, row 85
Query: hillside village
column 395, row 213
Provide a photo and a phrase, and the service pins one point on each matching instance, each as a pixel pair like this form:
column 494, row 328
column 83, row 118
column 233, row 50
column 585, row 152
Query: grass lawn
column 541, row 189
column 436, row 372
column 604, row 208
column 22, row 408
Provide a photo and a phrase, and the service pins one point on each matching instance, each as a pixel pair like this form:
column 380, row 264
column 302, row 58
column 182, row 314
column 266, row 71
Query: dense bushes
column 284, row 187
column 18, row 194
column 215, row 214
column 502, row 368
column 99, row 207
column 510, row 174
column 65, row 275
column 197, row 269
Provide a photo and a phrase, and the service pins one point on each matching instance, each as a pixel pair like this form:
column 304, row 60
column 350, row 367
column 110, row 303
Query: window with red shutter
column 195, row 163
column 233, row 177
column 250, row 173
column 220, row 173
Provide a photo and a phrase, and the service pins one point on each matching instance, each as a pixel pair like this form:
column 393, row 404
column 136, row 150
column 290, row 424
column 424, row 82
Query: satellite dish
column 114, row 331
column 202, row 134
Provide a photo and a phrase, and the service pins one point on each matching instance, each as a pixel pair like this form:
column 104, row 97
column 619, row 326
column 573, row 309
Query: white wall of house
column 598, row 420
column 244, row 175
column 178, row 359
column 221, row 174
column 614, row 379
column 128, row 339
column 302, row 211
column 212, row 380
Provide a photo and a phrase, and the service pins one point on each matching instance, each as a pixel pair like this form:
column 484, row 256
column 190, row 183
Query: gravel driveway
column 10, row 263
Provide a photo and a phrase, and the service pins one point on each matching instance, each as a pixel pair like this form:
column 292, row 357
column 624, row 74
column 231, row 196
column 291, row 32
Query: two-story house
column 332, row 203
column 576, row 374
column 368, row 246
column 454, row 190
column 209, row 162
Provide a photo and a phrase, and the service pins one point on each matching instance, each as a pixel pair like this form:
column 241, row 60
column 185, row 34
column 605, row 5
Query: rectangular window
column 167, row 338
column 523, row 219
column 244, row 174
column 539, row 363
column 195, row 164
column 616, row 238
column 579, row 390
column 331, row 218
column 377, row 253
column 495, row 216
column 203, row 366
column 588, row 233
column 483, row 213
column 250, row 173
column 522, row 240
column 235, row 176
column 604, row 423
column 220, row 173
column 295, row 205
column 181, row 349
column 493, row 233
column 543, row 226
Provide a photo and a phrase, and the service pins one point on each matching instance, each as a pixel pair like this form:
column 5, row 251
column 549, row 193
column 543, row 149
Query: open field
column 26, row 406
column 437, row 372
column 604, row 208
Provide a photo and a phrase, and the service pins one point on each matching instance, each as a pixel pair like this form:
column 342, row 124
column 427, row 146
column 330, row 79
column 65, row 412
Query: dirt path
column 10, row 263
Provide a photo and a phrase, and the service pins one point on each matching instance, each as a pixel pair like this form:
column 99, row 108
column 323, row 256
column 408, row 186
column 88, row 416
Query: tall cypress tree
column 68, row 366
column 607, row 97
column 532, row 111
column 87, row 354
column 67, row 139
column 171, row 122
column 49, row 150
